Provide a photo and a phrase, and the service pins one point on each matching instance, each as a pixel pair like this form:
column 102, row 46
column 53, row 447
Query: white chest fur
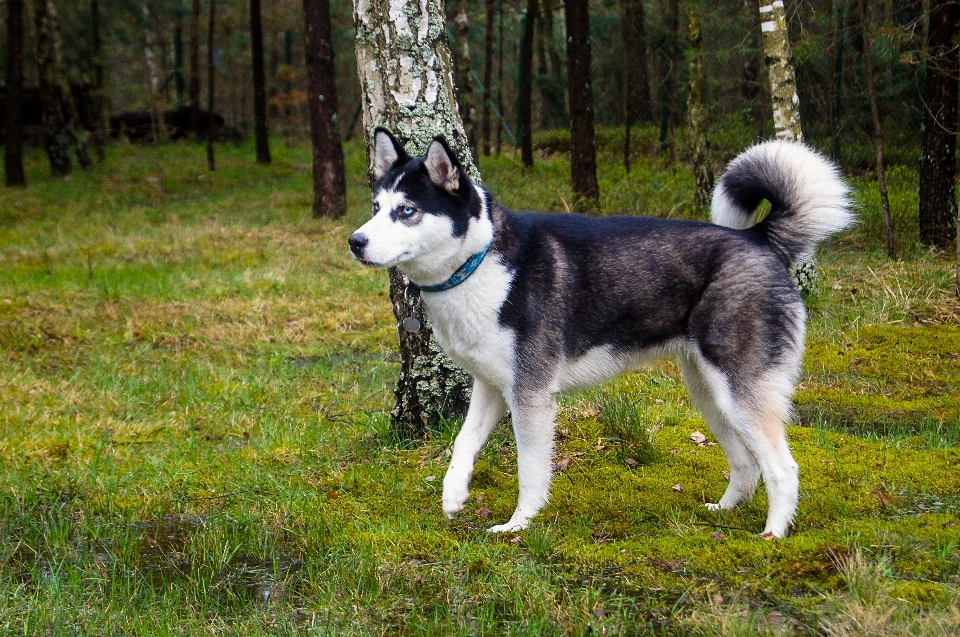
column 465, row 323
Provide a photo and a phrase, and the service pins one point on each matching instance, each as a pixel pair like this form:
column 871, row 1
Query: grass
column 194, row 390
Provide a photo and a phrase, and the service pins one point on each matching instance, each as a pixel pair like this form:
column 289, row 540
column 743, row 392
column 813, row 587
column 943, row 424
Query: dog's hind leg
column 744, row 470
column 487, row 407
column 758, row 414
column 533, row 425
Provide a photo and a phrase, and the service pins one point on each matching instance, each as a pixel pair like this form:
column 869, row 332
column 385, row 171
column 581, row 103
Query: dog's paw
column 509, row 527
column 456, row 492
column 714, row 506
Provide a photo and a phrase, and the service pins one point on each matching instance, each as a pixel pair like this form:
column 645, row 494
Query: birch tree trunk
column 13, row 144
column 153, row 75
column 407, row 86
column 583, row 149
column 938, row 144
column 329, row 179
column 697, row 113
column 783, row 82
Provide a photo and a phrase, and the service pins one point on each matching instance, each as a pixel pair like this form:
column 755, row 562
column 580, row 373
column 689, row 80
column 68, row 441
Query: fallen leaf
column 592, row 411
column 564, row 433
column 726, row 475
column 562, row 463
column 430, row 478
column 484, row 512
column 600, row 613
column 717, row 536
column 631, row 463
column 577, row 454
column 674, row 452
column 332, row 495
column 678, row 488
column 601, row 447
column 698, row 438
column 882, row 497
column 768, row 536
column 515, row 539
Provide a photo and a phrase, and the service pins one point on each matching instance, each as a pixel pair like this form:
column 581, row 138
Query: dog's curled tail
column 808, row 199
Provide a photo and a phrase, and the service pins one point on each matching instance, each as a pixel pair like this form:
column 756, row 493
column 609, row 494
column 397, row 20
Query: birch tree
column 783, row 81
column 407, row 86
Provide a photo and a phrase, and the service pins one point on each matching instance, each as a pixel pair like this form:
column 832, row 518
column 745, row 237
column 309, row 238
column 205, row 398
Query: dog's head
column 425, row 210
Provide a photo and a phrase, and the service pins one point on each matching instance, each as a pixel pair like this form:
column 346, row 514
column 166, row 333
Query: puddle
column 163, row 557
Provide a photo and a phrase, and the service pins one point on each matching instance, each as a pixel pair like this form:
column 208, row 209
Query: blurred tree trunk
column 13, row 144
column 697, row 113
column 839, row 44
column 62, row 128
column 670, row 56
column 636, row 81
column 938, row 144
column 416, row 100
column 877, row 128
column 751, row 87
column 500, row 74
column 464, row 83
column 555, row 105
column 783, row 83
column 195, row 68
column 153, row 75
column 487, row 78
column 102, row 116
column 329, row 179
column 525, row 92
column 259, row 84
column 211, row 157
column 583, row 151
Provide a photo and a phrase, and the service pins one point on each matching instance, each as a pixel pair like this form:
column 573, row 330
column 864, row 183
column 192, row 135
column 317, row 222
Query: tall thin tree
column 195, row 67
column 877, row 127
column 464, row 81
column 583, row 149
column 697, row 112
column 783, row 81
column 525, row 92
column 259, row 84
column 415, row 100
column 938, row 142
column 329, row 179
column 211, row 67
column 101, row 110
column 487, row 78
column 636, row 84
column 13, row 144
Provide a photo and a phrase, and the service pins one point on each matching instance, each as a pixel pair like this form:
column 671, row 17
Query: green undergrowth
column 194, row 390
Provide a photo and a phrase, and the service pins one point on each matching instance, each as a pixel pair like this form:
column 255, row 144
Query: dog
column 533, row 304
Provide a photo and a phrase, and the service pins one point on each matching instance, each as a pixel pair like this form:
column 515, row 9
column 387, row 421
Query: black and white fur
column 564, row 301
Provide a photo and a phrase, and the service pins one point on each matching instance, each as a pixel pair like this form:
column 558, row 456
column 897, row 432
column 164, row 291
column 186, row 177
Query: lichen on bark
column 404, row 65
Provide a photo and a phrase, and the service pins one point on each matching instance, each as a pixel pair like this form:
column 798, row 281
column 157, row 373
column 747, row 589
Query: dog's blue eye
column 406, row 211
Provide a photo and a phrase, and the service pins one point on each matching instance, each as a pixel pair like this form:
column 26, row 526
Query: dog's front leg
column 486, row 409
column 533, row 424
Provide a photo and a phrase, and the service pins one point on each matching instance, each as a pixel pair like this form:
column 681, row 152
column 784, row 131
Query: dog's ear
column 387, row 152
column 442, row 165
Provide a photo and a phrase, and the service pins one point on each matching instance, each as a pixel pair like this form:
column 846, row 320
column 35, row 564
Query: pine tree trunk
column 329, row 180
column 487, row 78
column 404, row 66
column 697, row 114
column 211, row 157
column 525, row 92
column 13, row 144
column 877, row 128
column 500, row 75
column 99, row 97
column 464, row 83
column 195, row 68
column 670, row 64
column 938, row 145
column 583, row 153
column 783, row 83
column 555, row 105
column 635, row 62
column 839, row 44
column 751, row 86
column 259, row 84
column 56, row 136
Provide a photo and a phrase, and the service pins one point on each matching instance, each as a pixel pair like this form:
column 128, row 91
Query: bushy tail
column 809, row 201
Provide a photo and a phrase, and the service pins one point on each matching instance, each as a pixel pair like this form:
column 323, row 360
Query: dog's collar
column 458, row 277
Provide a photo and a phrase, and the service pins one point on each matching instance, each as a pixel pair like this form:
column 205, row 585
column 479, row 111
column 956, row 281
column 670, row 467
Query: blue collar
column 458, row 277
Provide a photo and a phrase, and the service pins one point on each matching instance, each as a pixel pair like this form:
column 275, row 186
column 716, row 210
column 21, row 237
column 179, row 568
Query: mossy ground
column 194, row 387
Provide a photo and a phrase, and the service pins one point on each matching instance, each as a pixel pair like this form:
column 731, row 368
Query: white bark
column 783, row 81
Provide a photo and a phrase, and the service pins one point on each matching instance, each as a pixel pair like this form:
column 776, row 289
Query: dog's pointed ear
column 442, row 165
column 387, row 152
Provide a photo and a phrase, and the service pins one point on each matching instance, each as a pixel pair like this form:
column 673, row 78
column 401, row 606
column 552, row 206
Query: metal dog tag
column 411, row 324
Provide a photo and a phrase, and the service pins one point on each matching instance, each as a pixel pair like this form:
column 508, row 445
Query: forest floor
column 195, row 381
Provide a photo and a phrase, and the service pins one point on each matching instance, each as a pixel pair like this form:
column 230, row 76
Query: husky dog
column 533, row 304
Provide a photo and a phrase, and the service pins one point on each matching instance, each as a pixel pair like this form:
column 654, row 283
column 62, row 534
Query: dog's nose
column 357, row 243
